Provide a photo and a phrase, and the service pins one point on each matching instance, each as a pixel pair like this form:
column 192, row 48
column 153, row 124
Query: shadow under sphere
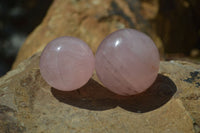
column 93, row 96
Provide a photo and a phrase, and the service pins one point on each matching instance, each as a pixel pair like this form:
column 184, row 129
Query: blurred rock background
column 177, row 24
column 17, row 19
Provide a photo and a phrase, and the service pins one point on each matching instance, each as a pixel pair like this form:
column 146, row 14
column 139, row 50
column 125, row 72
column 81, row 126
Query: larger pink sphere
column 67, row 63
column 127, row 62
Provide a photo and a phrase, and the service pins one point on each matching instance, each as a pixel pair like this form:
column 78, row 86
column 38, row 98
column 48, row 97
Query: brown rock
column 91, row 22
column 30, row 104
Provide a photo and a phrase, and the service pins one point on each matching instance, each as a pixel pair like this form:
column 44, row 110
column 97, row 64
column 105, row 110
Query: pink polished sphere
column 67, row 63
column 127, row 62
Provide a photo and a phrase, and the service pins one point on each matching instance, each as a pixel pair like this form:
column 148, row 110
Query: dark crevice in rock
column 8, row 122
column 196, row 128
column 4, row 109
column 116, row 10
column 134, row 6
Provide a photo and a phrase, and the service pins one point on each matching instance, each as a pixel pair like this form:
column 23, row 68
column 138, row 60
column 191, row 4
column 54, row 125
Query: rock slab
column 29, row 104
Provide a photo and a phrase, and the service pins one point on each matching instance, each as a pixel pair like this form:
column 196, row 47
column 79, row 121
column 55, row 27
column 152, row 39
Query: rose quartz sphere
column 127, row 62
column 67, row 63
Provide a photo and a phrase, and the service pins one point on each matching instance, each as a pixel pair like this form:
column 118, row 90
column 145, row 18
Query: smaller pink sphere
column 127, row 62
column 67, row 63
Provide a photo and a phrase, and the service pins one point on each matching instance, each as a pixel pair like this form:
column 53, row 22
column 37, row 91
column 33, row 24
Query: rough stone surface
column 91, row 22
column 29, row 104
